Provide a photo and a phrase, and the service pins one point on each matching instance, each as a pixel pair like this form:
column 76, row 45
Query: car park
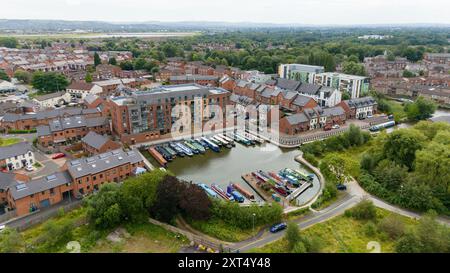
column 278, row 227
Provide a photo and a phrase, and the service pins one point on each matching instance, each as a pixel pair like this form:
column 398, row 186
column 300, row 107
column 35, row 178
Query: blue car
column 278, row 227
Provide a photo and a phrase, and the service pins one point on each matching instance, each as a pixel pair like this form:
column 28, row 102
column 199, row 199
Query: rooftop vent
column 51, row 177
column 21, row 186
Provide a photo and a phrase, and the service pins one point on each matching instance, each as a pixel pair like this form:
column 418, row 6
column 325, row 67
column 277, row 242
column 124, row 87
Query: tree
column 112, row 61
column 97, row 59
column 165, row 207
column 48, row 82
column 195, row 203
column 126, row 65
column 4, row 76
column 292, row 235
column 428, row 237
column 104, row 209
column 390, row 175
column 355, row 136
column 10, row 42
column 401, row 146
column 408, row 74
column 354, row 68
column 23, row 76
column 338, row 168
column 88, row 77
column 419, row 110
column 10, row 241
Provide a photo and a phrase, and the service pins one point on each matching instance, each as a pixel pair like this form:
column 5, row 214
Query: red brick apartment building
column 67, row 130
column 77, row 178
column 208, row 80
column 143, row 116
column 29, row 121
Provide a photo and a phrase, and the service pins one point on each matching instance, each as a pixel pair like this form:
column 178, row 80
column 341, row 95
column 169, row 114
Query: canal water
column 228, row 166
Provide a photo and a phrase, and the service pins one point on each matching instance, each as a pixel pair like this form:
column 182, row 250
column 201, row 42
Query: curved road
column 355, row 195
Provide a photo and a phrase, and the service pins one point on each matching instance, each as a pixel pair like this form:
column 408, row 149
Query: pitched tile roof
column 15, row 150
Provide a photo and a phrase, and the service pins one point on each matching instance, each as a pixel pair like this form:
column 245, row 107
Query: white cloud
column 271, row 11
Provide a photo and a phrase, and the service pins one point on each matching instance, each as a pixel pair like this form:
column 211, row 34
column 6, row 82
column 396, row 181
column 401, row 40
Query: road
column 310, row 220
column 355, row 194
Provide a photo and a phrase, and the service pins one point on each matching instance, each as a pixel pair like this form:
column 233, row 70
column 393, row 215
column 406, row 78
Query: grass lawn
column 9, row 141
column 143, row 238
column 397, row 109
column 342, row 235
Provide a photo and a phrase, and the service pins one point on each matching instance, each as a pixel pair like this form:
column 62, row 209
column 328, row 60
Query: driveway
column 49, row 165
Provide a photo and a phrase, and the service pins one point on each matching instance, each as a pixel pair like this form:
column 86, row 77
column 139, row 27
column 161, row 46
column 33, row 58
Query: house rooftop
column 95, row 140
column 20, row 190
column 99, row 163
column 15, row 150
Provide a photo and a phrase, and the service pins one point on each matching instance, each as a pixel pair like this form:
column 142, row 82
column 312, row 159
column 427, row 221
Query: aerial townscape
column 214, row 137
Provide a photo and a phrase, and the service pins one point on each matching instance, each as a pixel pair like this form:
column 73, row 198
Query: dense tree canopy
column 48, row 82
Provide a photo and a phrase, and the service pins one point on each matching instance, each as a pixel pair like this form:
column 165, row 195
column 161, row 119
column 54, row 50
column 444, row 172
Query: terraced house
column 141, row 116
column 76, row 179
column 70, row 129
column 12, row 121
column 360, row 108
column 311, row 119
column 17, row 156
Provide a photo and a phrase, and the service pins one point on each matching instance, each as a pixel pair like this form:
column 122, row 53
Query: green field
column 342, row 235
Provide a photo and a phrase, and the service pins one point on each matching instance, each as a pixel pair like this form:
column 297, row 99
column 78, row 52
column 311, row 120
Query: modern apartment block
column 141, row 116
column 354, row 86
column 299, row 72
column 77, row 178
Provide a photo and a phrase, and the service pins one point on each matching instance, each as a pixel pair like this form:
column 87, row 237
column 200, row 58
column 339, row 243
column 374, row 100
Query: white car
column 29, row 168
column 336, row 126
column 2, row 227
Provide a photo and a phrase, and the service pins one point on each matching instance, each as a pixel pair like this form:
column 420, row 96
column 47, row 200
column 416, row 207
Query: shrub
column 363, row 211
column 311, row 159
column 370, row 229
column 393, row 226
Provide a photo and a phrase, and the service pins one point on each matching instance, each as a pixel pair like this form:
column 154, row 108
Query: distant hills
column 30, row 26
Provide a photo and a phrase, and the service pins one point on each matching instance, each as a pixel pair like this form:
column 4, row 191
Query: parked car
column 391, row 117
column 278, row 227
column 29, row 168
column 341, row 187
column 58, row 155
column 336, row 126
column 2, row 227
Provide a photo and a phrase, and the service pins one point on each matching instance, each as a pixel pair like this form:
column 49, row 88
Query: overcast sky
column 263, row 11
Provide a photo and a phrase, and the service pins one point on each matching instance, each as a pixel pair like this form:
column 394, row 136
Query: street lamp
column 253, row 221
